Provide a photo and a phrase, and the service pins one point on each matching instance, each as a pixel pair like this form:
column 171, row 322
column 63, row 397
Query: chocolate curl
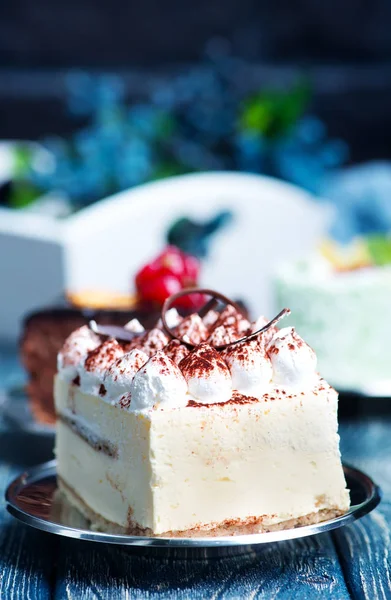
column 216, row 298
column 113, row 331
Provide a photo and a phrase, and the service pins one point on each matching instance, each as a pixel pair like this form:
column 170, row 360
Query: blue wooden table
column 353, row 562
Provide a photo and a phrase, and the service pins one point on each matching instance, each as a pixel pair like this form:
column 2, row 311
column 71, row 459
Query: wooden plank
column 365, row 553
column 366, row 444
column 365, row 547
column 26, row 555
column 301, row 569
column 26, row 562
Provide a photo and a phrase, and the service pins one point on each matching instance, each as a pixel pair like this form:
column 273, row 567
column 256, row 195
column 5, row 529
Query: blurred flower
column 362, row 199
column 202, row 119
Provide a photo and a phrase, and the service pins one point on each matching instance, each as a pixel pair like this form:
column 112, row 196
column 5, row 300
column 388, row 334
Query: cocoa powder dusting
column 103, row 356
column 202, row 361
column 236, row 399
column 273, row 350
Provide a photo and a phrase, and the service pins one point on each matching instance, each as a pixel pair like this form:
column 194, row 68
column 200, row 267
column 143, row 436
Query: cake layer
column 70, row 507
column 200, row 467
column 345, row 318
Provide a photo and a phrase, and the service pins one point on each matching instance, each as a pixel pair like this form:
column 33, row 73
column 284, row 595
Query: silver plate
column 32, row 499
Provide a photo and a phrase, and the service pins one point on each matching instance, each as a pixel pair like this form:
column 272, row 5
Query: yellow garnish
column 101, row 299
column 347, row 258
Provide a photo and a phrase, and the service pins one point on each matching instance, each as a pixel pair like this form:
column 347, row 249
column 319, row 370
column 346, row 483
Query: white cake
column 344, row 315
column 155, row 440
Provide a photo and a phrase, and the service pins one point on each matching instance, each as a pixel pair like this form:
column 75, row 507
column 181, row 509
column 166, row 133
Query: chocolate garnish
column 113, row 331
column 120, row 333
column 216, row 297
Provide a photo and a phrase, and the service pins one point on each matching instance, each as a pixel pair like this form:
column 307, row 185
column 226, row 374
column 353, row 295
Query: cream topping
column 274, row 359
column 176, row 351
column 250, row 367
column 134, row 326
column 207, row 375
column 96, row 364
column 74, row 351
column 192, row 330
column 230, row 317
column 224, row 335
column 210, row 318
column 173, row 318
column 119, row 376
column 293, row 361
column 158, row 382
column 152, row 341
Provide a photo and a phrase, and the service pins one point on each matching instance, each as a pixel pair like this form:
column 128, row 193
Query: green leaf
column 272, row 113
column 22, row 194
column 168, row 169
column 379, row 248
column 22, row 159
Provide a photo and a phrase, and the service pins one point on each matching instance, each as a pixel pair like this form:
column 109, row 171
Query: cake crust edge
column 67, row 498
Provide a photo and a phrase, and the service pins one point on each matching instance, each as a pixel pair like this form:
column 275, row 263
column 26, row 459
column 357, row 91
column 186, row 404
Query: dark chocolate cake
column 44, row 333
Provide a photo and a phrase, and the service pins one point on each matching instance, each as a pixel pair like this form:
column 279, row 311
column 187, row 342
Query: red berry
column 192, row 269
column 147, row 273
column 174, row 263
column 192, row 302
column 170, row 272
column 160, row 288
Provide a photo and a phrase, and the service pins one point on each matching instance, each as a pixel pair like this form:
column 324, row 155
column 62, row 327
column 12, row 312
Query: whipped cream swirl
column 176, row 351
column 119, row 376
column 134, row 326
column 192, row 330
column 96, row 364
column 152, row 341
column 71, row 358
column 230, row 317
column 207, row 375
column 160, row 382
column 251, row 368
column 294, row 361
column 173, row 319
column 153, row 370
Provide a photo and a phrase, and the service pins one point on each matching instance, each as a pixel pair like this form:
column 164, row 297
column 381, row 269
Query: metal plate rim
column 48, row 469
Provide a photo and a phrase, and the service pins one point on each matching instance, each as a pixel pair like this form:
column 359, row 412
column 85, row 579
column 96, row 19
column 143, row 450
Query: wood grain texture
column 26, row 555
column 366, row 444
column 365, row 547
column 300, row 569
column 365, row 554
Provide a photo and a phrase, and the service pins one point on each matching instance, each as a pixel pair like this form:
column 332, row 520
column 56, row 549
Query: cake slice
column 191, row 440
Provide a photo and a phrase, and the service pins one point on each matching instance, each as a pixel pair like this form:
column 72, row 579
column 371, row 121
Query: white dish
column 103, row 245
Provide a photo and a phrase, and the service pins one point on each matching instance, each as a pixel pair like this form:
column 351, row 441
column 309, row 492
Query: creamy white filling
column 182, row 468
